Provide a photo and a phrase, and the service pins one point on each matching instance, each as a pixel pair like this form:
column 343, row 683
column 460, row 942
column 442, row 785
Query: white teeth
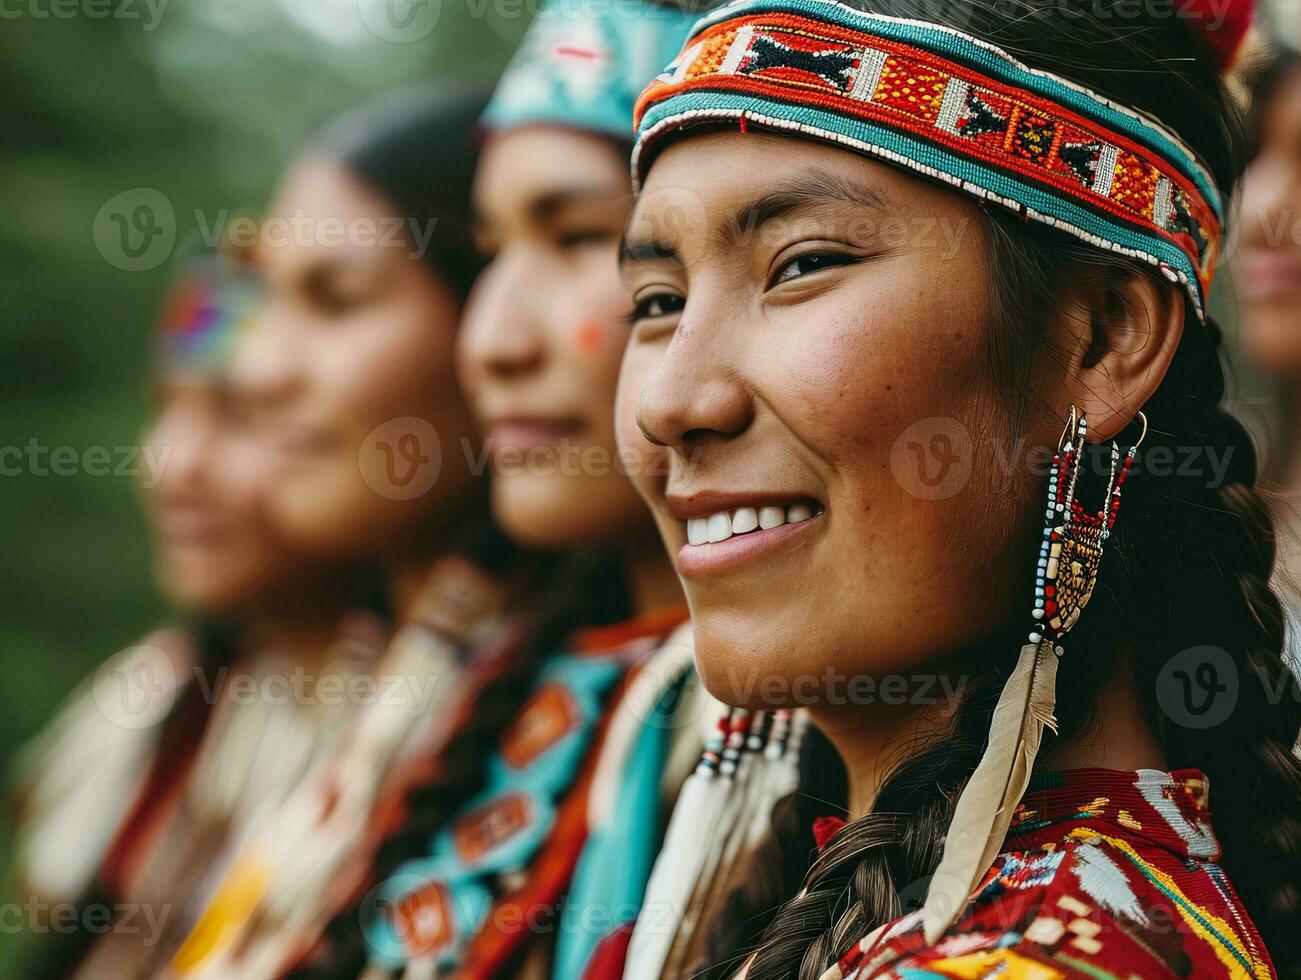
column 697, row 531
column 720, row 528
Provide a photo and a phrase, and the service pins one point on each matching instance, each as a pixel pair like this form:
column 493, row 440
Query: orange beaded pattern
column 1090, row 168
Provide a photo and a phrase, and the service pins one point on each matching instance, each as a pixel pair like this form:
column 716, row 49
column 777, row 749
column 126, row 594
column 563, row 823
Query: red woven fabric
column 1105, row 874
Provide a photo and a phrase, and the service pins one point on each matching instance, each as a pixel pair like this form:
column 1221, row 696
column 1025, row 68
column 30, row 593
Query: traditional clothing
column 1099, row 874
column 574, row 784
column 1103, row 874
column 78, row 779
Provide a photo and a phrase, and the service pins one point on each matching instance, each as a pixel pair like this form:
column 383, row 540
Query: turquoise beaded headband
column 952, row 107
column 583, row 62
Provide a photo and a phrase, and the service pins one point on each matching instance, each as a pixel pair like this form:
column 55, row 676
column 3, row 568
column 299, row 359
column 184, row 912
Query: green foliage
column 204, row 105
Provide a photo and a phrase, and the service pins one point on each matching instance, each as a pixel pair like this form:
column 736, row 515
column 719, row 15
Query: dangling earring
column 1071, row 552
column 1069, row 558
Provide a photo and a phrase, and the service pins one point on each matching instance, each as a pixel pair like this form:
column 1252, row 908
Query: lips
column 723, row 532
column 1268, row 273
column 523, row 433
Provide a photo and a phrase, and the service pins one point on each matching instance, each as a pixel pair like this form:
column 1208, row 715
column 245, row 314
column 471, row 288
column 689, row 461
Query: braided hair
column 1189, row 566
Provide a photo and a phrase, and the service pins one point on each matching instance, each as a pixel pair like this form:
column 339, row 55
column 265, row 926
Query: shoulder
column 1089, row 906
column 74, row 781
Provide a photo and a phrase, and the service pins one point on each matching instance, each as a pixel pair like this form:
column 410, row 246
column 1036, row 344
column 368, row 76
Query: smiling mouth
column 747, row 520
column 731, row 537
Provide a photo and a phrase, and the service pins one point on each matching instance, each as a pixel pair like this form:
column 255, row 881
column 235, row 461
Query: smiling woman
column 855, row 425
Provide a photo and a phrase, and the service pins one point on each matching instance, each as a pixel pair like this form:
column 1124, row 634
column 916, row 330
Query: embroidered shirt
column 1104, row 874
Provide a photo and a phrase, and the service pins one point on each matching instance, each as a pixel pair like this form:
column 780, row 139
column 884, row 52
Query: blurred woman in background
column 1268, row 274
column 541, row 871
column 137, row 778
column 345, row 379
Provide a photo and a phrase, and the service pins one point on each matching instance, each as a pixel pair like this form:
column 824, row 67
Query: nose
column 501, row 339
column 696, row 396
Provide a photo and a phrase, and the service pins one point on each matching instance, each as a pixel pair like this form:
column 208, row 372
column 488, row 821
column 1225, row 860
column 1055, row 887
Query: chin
column 740, row 665
column 1273, row 341
column 557, row 511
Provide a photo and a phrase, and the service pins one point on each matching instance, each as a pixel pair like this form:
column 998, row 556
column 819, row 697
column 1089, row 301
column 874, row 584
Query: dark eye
column 813, row 262
column 580, row 237
column 336, row 292
column 656, row 305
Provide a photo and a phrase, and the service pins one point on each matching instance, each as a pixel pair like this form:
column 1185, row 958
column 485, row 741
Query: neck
column 651, row 577
column 462, row 530
column 874, row 742
column 1288, row 463
column 405, row 584
column 1119, row 736
column 302, row 628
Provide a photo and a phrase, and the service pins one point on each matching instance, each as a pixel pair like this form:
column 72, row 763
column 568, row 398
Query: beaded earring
column 1071, row 552
column 1069, row 557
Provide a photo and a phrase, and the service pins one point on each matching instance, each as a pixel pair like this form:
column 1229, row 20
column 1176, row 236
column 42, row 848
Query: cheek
column 854, row 384
column 397, row 365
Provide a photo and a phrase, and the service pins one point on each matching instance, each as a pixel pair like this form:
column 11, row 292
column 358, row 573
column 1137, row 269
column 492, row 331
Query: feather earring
column 688, row 838
column 1069, row 557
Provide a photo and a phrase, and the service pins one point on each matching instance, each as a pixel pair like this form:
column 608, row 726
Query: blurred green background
column 203, row 101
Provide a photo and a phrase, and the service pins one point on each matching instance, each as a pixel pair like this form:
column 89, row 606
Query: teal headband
column 583, row 63
column 954, row 108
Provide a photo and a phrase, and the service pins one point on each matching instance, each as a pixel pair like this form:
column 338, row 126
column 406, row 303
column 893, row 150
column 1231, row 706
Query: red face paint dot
column 590, row 336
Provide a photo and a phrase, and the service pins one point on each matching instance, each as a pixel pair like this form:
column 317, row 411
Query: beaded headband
column 952, row 107
column 201, row 317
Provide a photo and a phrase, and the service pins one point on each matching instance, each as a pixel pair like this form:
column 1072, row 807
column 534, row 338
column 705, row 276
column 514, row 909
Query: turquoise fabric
column 610, row 880
column 928, row 158
column 584, row 62
column 467, row 888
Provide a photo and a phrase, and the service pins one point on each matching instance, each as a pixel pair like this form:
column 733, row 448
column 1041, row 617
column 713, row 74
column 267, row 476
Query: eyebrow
column 815, row 188
column 546, row 206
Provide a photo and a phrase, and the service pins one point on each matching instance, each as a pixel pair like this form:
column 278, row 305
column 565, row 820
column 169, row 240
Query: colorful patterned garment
column 498, row 876
column 1106, row 874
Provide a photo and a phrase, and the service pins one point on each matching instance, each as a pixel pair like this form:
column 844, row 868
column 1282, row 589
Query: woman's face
column 213, row 551
column 1269, row 266
column 544, row 331
column 348, row 375
column 810, row 349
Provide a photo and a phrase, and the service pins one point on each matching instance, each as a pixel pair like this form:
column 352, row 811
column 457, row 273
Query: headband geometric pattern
column 952, row 107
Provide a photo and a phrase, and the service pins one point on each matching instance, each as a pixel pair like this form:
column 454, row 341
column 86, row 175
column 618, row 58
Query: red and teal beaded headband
column 954, row 108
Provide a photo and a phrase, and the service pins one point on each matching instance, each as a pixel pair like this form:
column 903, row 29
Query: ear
column 1117, row 332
